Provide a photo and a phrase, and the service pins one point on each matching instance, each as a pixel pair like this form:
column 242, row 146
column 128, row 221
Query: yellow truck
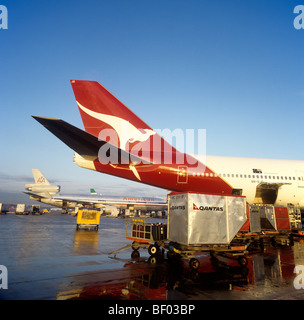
column 88, row 218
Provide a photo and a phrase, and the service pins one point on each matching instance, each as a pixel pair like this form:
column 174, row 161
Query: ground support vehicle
column 88, row 218
column 36, row 209
column 197, row 223
column 145, row 235
column 276, row 238
column 257, row 241
column 192, row 253
column 266, row 225
column 298, row 233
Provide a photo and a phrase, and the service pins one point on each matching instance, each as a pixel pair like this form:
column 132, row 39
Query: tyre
column 152, row 260
column 153, row 250
column 135, row 246
column 194, row 264
column 135, row 254
column 242, row 261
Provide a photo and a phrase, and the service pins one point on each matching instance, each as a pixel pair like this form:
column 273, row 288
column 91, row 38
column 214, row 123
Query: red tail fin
column 101, row 112
column 96, row 103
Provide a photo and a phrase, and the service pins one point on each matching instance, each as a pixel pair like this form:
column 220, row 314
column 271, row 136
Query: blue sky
column 234, row 68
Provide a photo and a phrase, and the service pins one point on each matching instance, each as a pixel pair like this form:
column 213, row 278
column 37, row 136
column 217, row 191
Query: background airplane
column 44, row 192
column 270, row 181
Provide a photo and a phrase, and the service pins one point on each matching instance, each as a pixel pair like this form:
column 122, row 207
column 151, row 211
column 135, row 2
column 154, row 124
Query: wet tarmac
column 48, row 259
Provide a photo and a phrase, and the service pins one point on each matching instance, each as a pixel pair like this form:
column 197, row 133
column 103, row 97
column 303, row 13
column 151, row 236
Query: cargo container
column 266, row 224
column 198, row 219
column 20, row 208
column 205, row 223
column 266, row 218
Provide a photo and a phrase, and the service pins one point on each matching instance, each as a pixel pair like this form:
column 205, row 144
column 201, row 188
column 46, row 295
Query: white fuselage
column 268, row 181
column 283, row 177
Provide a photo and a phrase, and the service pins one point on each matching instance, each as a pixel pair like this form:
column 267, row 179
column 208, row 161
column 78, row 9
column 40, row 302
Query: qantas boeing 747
column 119, row 143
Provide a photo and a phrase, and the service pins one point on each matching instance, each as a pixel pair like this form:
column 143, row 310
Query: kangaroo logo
column 125, row 130
column 195, row 206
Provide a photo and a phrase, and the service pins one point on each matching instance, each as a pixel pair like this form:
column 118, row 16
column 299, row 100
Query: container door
column 255, row 219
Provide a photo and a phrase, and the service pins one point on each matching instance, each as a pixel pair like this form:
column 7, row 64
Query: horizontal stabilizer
column 85, row 143
column 35, row 195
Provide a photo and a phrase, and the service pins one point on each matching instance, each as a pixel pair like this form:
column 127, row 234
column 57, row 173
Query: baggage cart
column 88, row 218
column 145, row 235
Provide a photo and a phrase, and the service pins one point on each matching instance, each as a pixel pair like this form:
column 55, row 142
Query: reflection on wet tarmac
column 85, row 242
column 267, row 276
column 47, row 258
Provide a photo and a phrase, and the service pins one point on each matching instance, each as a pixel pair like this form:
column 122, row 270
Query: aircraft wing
column 82, row 142
column 84, row 202
column 67, row 199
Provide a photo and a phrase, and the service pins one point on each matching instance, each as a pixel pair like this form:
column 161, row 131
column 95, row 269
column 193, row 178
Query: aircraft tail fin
column 99, row 109
column 39, row 177
column 104, row 116
column 92, row 191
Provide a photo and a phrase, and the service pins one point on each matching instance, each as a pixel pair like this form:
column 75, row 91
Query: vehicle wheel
column 242, row 261
column 135, row 246
column 152, row 260
column 194, row 264
column 135, row 254
column 153, row 250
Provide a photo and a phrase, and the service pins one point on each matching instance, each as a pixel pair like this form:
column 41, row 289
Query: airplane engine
column 42, row 188
column 111, row 210
column 84, row 162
